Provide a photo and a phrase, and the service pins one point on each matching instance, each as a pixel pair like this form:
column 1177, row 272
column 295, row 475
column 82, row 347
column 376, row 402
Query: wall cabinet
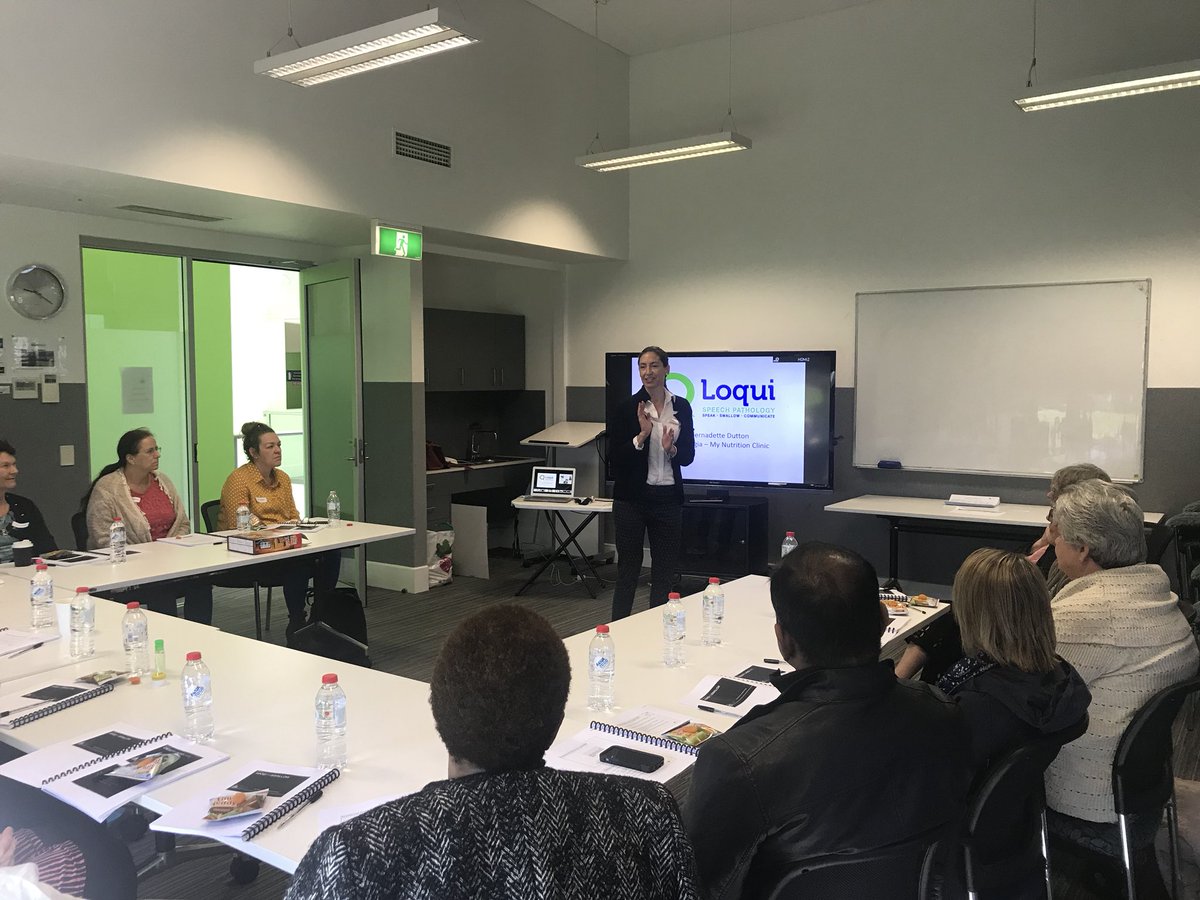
column 725, row 539
column 473, row 351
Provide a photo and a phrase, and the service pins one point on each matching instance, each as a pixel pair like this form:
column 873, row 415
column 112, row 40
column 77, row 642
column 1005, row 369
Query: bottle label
column 601, row 664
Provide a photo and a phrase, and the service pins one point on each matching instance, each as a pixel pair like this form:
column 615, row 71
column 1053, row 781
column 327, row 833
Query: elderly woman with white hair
column 1119, row 625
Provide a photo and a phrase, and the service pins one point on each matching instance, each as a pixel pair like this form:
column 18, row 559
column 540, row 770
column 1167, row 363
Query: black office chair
column 1005, row 850
column 79, row 530
column 893, row 873
column 1143, row 776
column 1185, row 527
column 247, row 578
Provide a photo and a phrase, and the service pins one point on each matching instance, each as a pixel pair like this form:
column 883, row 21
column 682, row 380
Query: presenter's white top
column 660, row 471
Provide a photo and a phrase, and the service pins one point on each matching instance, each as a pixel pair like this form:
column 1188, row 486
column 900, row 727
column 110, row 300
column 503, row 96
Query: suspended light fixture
column 669, row 151
column 725, row 141
column 1112, row 86
column 431, row 31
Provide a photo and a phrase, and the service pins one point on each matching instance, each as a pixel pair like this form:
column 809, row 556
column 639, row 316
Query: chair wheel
column 243, row 869
column 130, row 827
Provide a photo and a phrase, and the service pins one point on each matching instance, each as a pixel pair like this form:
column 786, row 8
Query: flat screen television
column 763, row 418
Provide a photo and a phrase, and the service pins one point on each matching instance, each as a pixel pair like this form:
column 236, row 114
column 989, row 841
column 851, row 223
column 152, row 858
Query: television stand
column 725, row 537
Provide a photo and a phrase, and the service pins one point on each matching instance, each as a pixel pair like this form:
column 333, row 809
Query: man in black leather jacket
column 847, row 760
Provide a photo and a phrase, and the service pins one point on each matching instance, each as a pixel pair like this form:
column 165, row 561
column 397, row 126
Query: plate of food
column 923, row 600
column 895, row 607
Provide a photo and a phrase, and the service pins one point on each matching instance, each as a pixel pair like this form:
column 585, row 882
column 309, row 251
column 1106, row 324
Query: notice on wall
column 31, row 354
column 25, row 388
column 137, row 390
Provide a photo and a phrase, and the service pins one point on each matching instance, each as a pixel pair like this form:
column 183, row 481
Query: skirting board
column 393, row 577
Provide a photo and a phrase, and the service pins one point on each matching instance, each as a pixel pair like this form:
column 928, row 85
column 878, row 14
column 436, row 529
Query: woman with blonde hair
column 1009, row 684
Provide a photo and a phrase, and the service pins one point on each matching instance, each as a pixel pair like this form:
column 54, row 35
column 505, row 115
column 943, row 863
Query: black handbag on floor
column 336, row 629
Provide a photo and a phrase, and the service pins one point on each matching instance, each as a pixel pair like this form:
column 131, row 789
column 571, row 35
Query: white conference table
column 167, row 559
column 263, row 696
column 927, row 515
column 747, row 637
column 263, row 708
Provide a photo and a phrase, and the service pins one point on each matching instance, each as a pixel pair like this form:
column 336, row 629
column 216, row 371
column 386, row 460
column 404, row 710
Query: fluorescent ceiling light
column 422, row 34
column 1120, row 84
column 670, row 151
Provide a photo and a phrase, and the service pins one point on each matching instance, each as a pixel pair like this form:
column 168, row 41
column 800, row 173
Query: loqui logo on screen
column 744, row 393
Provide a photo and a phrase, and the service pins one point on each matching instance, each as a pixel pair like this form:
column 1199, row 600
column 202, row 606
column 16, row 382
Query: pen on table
column 13, row 712
column 776, row 662
column 25, row 650
column 313, row 799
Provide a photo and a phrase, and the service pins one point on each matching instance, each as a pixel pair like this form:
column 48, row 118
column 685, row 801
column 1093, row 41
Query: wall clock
column 36, row 291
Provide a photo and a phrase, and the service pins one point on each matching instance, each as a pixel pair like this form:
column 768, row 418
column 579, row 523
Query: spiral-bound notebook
column 22, row 707
column 288, row 787
column 653, row 730
column 100, row 773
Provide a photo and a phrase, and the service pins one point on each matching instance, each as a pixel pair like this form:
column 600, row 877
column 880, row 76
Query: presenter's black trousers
column 659, row 515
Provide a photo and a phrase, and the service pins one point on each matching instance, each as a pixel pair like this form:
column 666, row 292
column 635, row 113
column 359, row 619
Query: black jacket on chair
column 24, row 510
column 630, row 466
column 844, row 761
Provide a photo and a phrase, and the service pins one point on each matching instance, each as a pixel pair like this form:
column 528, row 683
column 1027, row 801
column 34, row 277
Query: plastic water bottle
column 789, row 544
column 83, row 624
column 331, row 724
column 116, row 540
column 674, row 629
column 333, row 507
column 602, row 669
column 196, row 681
column 135, row 635
column 41, row 598
column 714, row 612
column 243, row 518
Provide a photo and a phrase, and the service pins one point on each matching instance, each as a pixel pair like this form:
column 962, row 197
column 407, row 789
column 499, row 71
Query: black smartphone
column 631, row 759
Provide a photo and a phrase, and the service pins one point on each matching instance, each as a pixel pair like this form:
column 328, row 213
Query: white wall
column 53, row 238
column 888, row 155
column 164, row 89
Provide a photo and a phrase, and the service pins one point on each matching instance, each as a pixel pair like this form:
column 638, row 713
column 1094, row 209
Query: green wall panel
column 214, row 382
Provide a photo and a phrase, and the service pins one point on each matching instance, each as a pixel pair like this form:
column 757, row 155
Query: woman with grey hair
column 1119, row 625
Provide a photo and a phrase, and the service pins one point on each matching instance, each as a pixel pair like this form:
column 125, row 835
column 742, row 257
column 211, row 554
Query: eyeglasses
column 150, row 451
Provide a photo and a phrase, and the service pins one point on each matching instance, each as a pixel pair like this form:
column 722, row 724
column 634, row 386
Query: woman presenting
column 649, row 440
column 266, row 491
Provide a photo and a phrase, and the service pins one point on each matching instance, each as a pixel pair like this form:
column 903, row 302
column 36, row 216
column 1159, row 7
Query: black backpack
column 336, row 629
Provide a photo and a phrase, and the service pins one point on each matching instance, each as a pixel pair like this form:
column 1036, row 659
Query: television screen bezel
column 614, row 394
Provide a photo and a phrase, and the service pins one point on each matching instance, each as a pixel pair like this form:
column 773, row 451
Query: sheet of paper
column 281, row 780
column 21, row 702
column 650, row 720
column 13, row 641
column 731, row 696
column 581, row 753
column 336, row 815
column 33, row 768
column 192, row 540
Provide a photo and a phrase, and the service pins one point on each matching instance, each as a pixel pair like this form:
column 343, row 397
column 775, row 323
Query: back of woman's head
column 252, row 433
column 499, row 689
column 1073, row 474
column 1106, row 519
column 127, row 445
column 1003, row 610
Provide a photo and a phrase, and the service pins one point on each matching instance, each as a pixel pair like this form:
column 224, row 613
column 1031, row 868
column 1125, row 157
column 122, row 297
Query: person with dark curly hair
column 503, row 824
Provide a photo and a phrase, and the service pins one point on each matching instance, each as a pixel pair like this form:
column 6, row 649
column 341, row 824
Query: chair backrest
column 1186, row 528
column 210, row 511
column 1143, row 777
column 893, row 873
column 1004, row 810
column 1158, row 541
column 79, row 530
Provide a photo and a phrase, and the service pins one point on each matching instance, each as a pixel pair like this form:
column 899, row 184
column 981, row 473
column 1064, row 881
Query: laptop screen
column 552, row 482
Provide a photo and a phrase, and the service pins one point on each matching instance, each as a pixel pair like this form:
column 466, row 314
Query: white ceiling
column 644, row 26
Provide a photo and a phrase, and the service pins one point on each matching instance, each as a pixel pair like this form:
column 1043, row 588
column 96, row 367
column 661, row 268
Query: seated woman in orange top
column 267, row 491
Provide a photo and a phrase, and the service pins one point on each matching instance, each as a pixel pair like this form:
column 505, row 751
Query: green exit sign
column 398, row 242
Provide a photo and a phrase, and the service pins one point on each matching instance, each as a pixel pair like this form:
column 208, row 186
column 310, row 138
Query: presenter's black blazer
column 630, row 466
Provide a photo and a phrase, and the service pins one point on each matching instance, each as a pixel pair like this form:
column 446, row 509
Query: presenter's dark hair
column 499, row 689
column 6, row 447
column 827, row 599
column 127, row 445
column 252, row 433
column 659, row 352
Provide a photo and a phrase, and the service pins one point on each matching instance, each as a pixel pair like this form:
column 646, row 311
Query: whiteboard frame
column 984, row 287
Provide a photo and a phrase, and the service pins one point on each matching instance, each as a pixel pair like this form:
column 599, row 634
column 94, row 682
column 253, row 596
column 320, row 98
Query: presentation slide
column 749, row 414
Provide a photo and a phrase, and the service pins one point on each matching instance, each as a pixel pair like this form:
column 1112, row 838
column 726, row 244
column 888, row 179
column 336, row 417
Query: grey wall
column 1172, row 479
column 36, row 430
column 513, row 415
column 389, row 409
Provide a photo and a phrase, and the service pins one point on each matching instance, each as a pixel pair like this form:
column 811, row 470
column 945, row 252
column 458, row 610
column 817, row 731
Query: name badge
column 136, row 499
column 260, row 499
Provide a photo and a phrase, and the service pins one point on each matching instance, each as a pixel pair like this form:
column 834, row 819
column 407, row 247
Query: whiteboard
column 1015, row 380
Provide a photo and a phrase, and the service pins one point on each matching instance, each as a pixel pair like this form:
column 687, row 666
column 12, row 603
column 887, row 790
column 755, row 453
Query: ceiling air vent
column 421, row 149
column 173, row 213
